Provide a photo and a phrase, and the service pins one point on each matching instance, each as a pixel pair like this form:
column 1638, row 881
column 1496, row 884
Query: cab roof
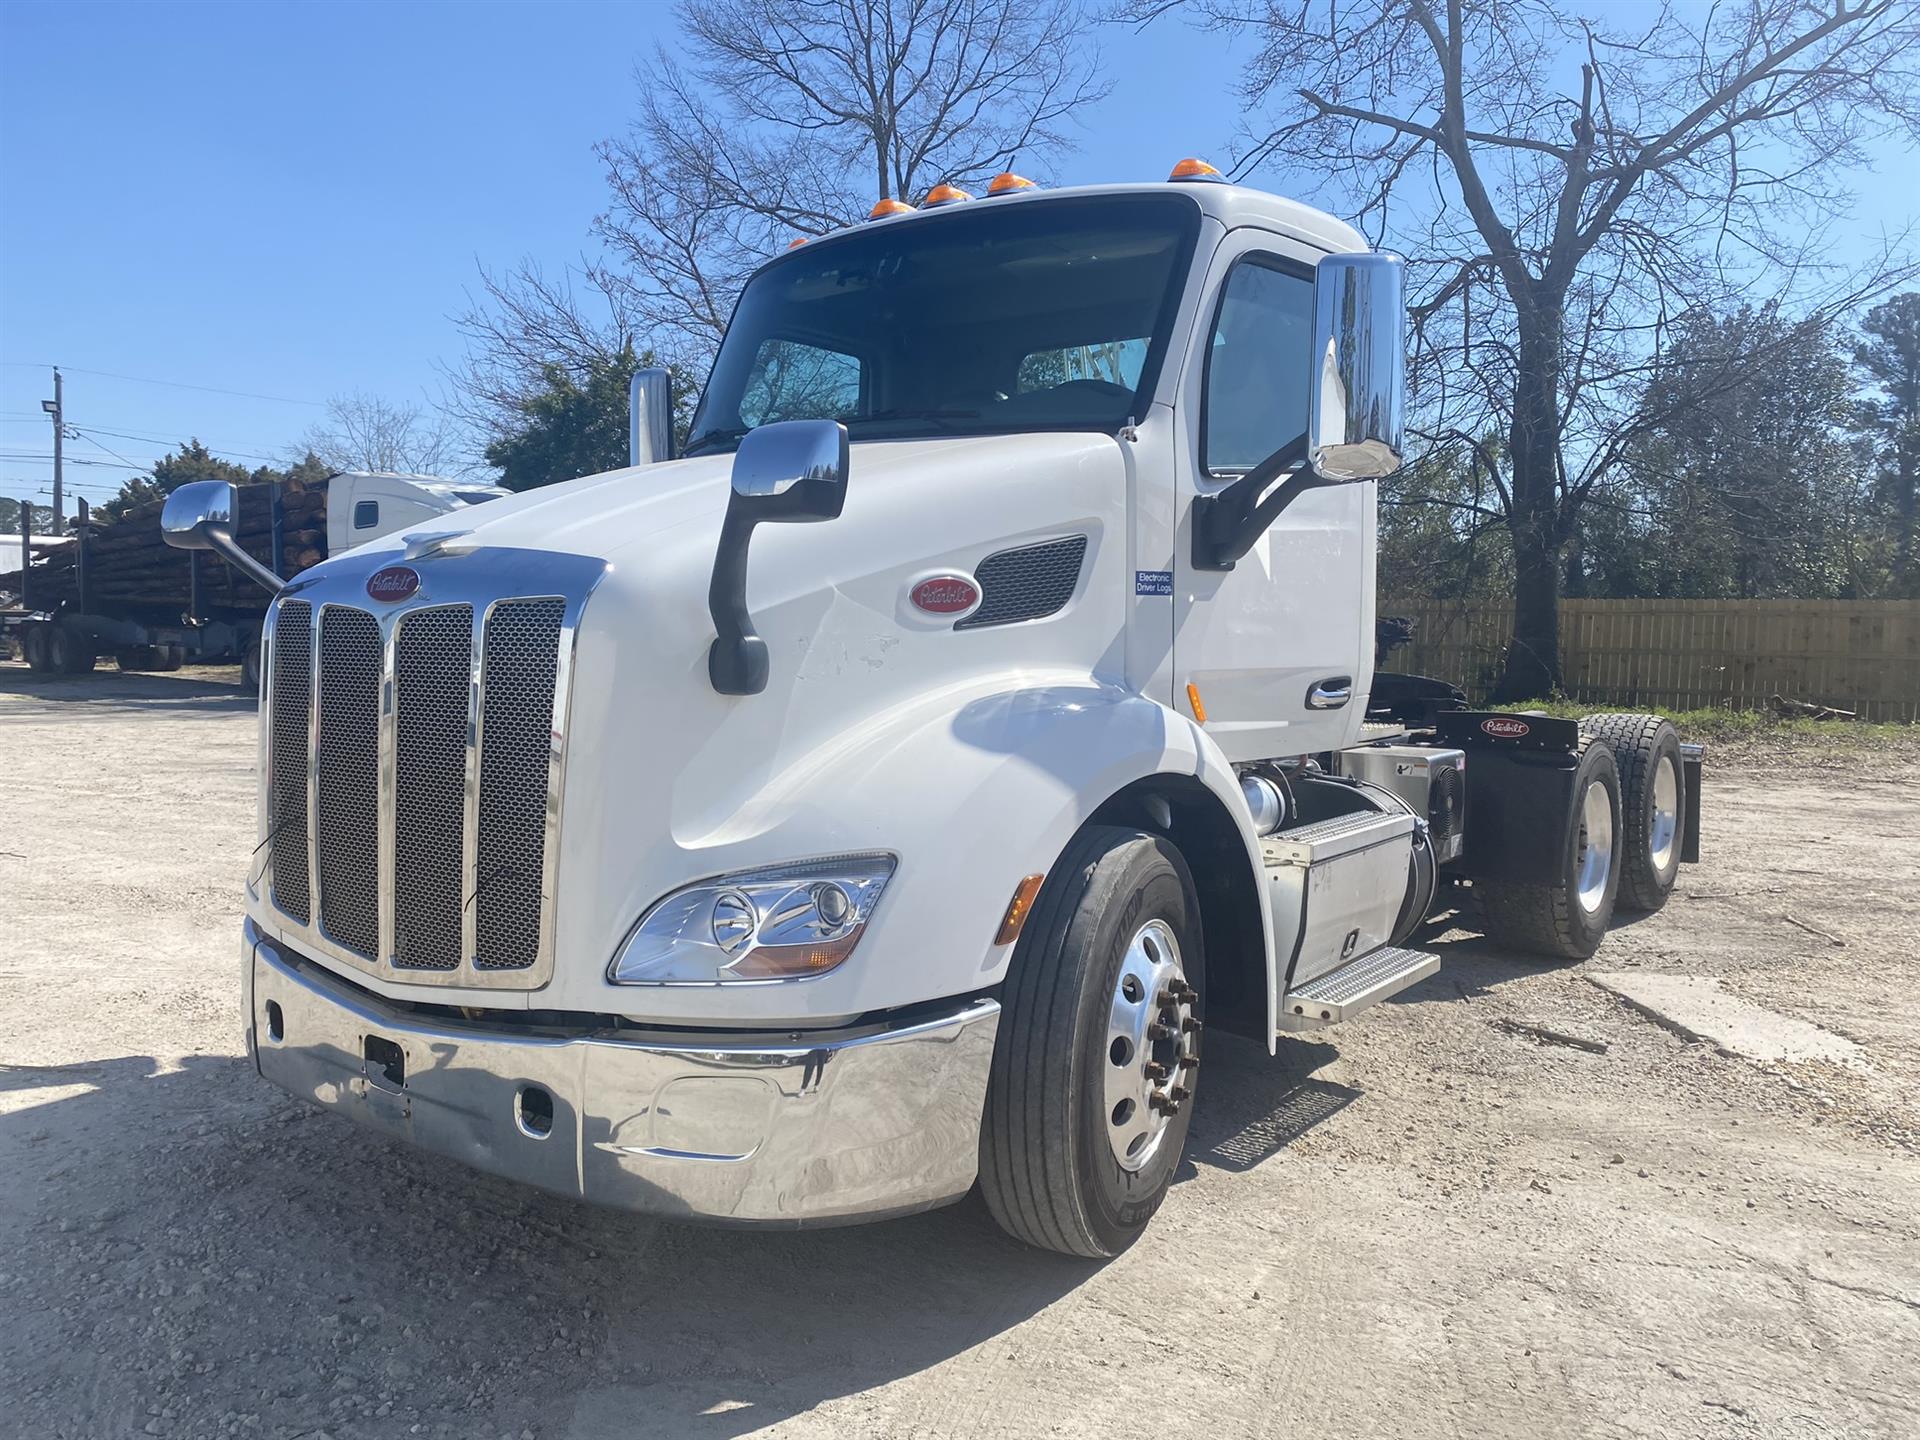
column 1231, row 205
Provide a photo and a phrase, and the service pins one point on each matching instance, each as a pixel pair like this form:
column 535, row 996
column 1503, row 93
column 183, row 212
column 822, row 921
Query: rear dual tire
column 1567, row 918
column 1653, row 808
column 1076, row 1153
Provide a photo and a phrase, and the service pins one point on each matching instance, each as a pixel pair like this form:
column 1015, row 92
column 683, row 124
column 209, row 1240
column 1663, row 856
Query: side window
column 1257, row 366
column 1118, row 362
column 366, row 514
column 791, row 380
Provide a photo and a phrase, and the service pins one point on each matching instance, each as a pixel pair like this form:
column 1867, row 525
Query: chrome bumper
column 778, row 1130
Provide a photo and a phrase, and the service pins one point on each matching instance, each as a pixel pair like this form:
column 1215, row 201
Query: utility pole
column 53, row 408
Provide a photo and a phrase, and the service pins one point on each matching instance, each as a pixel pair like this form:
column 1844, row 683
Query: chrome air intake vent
column 415, row 754
column 1026, row 584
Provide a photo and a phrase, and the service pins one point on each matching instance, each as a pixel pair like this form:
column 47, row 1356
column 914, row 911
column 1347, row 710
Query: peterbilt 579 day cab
column 878, row 797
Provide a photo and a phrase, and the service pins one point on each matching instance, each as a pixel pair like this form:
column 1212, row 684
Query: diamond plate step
column 1341, row 994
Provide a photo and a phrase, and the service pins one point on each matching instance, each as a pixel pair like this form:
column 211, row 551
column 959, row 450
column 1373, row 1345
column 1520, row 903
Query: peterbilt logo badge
column 1506, row 729
column 394, row 584
column 944, row 594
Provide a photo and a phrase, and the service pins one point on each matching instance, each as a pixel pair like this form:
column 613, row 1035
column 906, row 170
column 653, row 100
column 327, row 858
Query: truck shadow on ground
column 177, row 691
column 285, row 1264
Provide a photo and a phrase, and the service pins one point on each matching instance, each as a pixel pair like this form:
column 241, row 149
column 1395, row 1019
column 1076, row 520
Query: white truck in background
column 884, row 795
column 115, row 590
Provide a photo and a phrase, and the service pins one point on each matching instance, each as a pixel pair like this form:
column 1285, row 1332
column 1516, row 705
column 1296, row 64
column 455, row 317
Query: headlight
column 781, row 923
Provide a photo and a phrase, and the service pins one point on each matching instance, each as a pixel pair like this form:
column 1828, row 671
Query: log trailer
column 116, row 590
column 886, row 794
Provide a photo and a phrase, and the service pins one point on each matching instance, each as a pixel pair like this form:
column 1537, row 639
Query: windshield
column 1036, row 316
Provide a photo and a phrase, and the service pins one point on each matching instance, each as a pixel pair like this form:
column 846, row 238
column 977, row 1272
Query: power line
column 177, row 384
column 162, row 440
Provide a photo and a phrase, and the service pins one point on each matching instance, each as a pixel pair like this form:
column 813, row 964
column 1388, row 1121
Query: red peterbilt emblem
column 1506, row 729
column 393, row 583
column 944, row 594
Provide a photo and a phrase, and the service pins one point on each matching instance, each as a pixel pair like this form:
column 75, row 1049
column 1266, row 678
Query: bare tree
column 1555, row 236
column 1889, row 354
column 364, row 432
column 777, row 119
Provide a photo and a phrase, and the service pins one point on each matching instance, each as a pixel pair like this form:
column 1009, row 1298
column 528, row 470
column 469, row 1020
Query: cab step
column 1341, row 994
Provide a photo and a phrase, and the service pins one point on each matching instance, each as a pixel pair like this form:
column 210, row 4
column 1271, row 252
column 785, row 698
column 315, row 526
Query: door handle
column 1330, row 693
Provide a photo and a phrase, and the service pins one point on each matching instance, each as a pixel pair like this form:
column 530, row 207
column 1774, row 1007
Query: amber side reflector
column 1192, row 169
column 796, row 242
column 946, row 195
column 889, row 207
column 1193, row 699
column 1017, row 908
column 1006, row 182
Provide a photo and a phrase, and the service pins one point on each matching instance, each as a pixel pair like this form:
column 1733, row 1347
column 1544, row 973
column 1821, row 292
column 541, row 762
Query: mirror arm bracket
column 737, row 660
column 1226, row 525
column 229, row 549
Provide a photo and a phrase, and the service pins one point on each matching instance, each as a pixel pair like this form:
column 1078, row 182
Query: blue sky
column 290, row 200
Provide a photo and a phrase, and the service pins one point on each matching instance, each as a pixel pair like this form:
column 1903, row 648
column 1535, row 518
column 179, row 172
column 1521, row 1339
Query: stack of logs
column 129, row 563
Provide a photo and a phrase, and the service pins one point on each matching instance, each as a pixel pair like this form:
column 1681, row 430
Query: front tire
column 1567, row 919
column 1091, row 1090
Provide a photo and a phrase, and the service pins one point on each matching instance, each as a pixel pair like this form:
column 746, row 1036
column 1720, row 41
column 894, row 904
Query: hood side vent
column 1029, row 583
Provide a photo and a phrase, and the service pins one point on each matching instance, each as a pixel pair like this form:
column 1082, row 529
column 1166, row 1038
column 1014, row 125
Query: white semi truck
column 878, row 797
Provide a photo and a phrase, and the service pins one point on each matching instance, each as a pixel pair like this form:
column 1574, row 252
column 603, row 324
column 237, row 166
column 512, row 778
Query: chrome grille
column 432, row 679
column 291, row 701
column 516, row 756
column 347, row 779
column 414, row 752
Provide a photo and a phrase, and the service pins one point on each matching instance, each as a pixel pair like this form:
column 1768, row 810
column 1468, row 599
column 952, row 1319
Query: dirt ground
column 1425, row 1223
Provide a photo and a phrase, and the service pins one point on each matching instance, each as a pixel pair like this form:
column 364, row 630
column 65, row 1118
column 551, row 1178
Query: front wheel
column 1091, row 1091
column 1567, row 919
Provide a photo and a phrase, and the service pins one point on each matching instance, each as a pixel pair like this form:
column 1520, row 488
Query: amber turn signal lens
column 946, row 195
column 1017, row 908
column 1193, row 699
column 1192, row 169
column 1006, row 181
column 889, row 207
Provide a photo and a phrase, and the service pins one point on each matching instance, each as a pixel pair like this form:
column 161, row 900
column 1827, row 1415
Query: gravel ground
column 1428, row 1223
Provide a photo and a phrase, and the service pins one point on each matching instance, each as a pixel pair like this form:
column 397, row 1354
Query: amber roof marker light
column 796, row 242
column 1192, row 169
column 1007, row 183
column 889, row 207
column 945, row 195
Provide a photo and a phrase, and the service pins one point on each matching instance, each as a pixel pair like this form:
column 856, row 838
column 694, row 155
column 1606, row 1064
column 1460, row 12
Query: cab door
column 1279, row 648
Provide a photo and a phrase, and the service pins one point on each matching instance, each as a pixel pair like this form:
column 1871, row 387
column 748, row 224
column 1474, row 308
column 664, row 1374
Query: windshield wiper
column 912, row 415
column 723, row 436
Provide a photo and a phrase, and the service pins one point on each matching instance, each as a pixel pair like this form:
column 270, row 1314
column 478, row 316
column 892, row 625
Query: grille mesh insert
column 348, row 780
column 432, row 669
column 1026, row 584
column 292, row 695
column 522, row 648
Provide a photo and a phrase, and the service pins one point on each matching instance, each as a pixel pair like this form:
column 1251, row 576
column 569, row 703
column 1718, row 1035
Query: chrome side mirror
column 201, row 516
column 801, row 463
column 1356, row 416
column 650, row 416
column 792, row 471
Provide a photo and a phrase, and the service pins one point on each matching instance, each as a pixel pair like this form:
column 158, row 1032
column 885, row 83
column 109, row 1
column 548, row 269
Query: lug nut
column 1157, row 1031
column 1191, row 1025
column 1180, row 1093
column 1154, row 1070
column 1161, row 1103
column 1187, row 1062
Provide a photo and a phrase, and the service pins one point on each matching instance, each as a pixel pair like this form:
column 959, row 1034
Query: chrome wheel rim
column 1595, row 864
column 1665, row 829
column 1153, row 1046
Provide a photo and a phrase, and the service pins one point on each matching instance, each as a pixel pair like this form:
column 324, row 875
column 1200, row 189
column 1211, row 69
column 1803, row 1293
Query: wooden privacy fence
column 1861, row 655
